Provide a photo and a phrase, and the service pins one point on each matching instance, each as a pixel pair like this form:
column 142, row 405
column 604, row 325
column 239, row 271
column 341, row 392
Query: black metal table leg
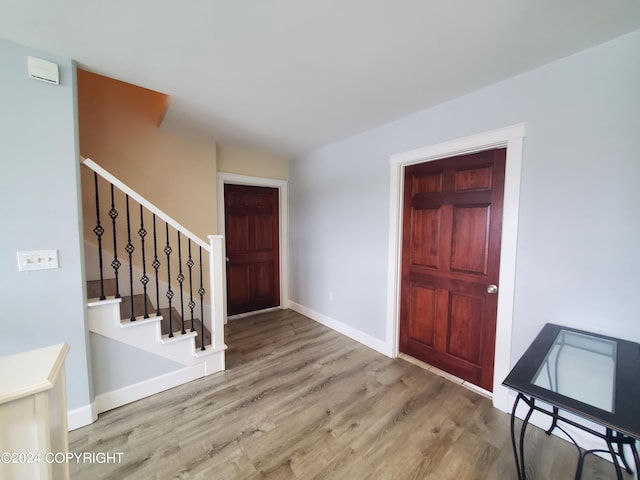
column 513, row 435
column 620, row 441
column 614, row 457
column 636, row 459
column 518, row 450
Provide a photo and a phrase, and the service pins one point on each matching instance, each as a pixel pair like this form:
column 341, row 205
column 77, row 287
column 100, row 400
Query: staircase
column 159, row 289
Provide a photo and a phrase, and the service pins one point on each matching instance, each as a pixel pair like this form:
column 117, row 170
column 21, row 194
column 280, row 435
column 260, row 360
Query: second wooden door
column 450, row 263
column 253, row 247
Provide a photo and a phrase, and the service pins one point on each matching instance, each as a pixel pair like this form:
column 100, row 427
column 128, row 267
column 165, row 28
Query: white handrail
column 145, row 203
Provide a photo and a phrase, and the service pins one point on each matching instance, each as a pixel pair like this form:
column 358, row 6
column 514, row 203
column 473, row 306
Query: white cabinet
column 33, row 415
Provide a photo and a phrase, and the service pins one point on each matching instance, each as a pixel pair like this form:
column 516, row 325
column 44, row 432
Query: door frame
column 283, row 211
column 513, row 139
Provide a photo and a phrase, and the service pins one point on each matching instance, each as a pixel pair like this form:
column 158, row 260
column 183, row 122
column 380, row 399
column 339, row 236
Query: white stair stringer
column 145, row 334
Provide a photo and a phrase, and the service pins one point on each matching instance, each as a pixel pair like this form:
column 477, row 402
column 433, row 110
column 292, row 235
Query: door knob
column 226, row 258
column 492, row 289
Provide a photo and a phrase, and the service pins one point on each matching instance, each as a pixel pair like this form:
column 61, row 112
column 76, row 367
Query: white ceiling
column 288, row 76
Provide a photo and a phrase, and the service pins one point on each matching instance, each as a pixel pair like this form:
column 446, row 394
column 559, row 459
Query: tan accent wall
column 118, row 130
column 244, row 161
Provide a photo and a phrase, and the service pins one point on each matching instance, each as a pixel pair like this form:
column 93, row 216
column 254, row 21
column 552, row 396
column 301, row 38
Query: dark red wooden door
column 253, row 248
column 450, row 260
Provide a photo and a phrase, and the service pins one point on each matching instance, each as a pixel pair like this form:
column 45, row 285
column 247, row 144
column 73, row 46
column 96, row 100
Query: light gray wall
column 116, row 365
column 578, row 248
column 39, row 195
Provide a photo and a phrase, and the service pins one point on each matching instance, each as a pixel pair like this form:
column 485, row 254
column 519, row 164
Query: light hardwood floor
column 300, row 401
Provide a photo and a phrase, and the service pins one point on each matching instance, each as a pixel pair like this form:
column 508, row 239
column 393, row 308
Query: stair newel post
column 201, row 292
column 167, row 251
column 130, row 249
column 99, row 231
column 156, row 264
column 192, row 304
column 180, row 281
column 144, row 279
column 218, row 297
column 113, row 213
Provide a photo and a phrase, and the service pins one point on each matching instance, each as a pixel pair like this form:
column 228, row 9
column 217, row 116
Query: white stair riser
column 104, row 319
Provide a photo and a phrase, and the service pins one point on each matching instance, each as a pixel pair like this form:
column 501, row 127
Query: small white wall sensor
column 43, row 70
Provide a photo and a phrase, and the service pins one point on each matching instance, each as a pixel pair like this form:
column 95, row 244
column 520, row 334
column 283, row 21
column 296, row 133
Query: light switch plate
column 37, row 260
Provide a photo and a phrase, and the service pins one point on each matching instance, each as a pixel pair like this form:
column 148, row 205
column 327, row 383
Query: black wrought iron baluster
column 144, row 279
column 167, row 251
column 180, row 281
column 201, row 292
column 113, row 213
column 99, row 231
column 156, row 264
column 130, row 249
column 192, row 304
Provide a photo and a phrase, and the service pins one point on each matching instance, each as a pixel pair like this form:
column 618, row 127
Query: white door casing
column 513, row 139
column 283, row 207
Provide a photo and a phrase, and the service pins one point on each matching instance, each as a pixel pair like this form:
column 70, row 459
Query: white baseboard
column 88, row 414
column 353, row 333
column 81, row 417
column 131, row 393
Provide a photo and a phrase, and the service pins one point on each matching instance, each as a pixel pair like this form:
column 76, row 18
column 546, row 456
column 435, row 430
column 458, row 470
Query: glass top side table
column 592, row 376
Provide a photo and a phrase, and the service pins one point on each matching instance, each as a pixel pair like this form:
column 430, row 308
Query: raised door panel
column 474, row 179
column 264, row 232
column 470, row 239
column 425, row 238
column 238, row 240
column 422, row 319
column 238, row 283
column 466, row 315
column 264, row 275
